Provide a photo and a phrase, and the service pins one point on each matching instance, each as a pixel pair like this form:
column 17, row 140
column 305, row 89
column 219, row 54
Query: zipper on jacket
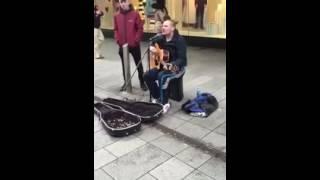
column 125, row 28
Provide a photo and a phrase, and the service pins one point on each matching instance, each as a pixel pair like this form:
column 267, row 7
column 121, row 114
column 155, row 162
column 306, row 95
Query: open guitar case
column 112, row 112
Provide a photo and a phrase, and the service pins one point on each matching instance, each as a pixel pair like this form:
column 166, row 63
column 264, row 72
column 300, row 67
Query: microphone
column 156, row 37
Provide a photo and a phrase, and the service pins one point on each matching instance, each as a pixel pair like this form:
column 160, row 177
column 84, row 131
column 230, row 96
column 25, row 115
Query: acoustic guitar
column 161, row 57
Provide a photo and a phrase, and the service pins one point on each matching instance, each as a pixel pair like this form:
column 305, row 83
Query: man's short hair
column 173, row 22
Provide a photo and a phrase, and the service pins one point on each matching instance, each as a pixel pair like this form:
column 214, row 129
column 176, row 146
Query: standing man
column 128, row 28
column 98, row 36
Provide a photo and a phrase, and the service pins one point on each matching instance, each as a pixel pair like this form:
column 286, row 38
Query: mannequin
column 200, row 6
column 149, row 11
column 189, row 12
column 107, row 9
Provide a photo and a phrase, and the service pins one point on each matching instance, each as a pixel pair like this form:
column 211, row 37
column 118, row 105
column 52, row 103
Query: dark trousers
column 199, row 17
column 136, row 54
column 151, row 77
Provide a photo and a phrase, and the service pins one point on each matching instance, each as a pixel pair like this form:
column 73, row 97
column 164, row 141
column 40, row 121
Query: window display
column 202, row 18
column 188, row 13
column 149, row 11
column 200, row 5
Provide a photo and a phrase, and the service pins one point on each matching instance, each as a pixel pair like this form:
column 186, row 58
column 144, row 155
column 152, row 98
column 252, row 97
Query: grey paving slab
column 147, row 177
column 193, row 157
column 171, row 122
column 125, row 145
column 198, row 80
column 223, row 103
column 103, row 94
column 193, row 131
column 221, row 129
column 182, row 115
column 205, row 72
column 96, row 90
column 137, row 163
column 102, row 157
column 215, row 140
column 212, row 87
column 102, row 138
column 197, row 175
column 169, row 144
column 149, row 133
column 214, row 168
column 101, row 175
column 172, row 169
column 220, row 94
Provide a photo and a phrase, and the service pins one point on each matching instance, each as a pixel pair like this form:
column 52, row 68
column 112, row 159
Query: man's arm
column 139, row 27
column 181, row 53
column 116, row 32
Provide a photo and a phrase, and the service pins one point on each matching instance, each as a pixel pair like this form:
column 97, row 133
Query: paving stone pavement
column 177, row 146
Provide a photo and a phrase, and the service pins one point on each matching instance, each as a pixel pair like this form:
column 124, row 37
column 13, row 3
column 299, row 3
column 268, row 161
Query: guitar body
column 156, row 58
column 159, row 57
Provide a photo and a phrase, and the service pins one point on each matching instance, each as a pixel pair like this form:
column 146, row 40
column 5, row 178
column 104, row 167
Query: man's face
column 167, row 28
column 124, row 4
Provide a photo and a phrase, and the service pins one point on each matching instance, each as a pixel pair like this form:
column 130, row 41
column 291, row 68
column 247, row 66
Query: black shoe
column 123, row 87
column 143, row 87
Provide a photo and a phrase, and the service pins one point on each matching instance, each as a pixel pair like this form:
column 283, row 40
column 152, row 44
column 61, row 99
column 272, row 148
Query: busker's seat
column 174, row 85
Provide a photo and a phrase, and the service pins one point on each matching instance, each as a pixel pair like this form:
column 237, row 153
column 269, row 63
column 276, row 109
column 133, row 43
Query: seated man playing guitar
column 168, row 58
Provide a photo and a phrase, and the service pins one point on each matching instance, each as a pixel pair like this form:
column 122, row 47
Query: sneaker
column 166, row 108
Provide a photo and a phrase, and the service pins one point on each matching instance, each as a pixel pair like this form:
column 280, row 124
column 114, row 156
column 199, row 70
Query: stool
column 176, row 89
column 175, row 86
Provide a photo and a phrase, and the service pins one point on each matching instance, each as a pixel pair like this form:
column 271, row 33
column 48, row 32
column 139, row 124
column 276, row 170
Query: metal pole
column 150, row 43
column 126, row 60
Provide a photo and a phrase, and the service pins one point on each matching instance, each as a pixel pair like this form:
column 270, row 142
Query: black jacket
column 177, row 48
column 97, row 19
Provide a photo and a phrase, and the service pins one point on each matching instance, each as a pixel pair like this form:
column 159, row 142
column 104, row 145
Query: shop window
column 202, row 18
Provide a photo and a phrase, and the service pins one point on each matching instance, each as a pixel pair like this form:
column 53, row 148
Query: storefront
column 183, row 11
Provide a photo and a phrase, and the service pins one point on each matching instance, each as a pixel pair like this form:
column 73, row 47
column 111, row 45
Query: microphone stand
column 147, row 51
column 127, row 82
column 149, row 44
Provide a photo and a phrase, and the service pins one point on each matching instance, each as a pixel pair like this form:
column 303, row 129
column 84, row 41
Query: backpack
column 201, row 106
